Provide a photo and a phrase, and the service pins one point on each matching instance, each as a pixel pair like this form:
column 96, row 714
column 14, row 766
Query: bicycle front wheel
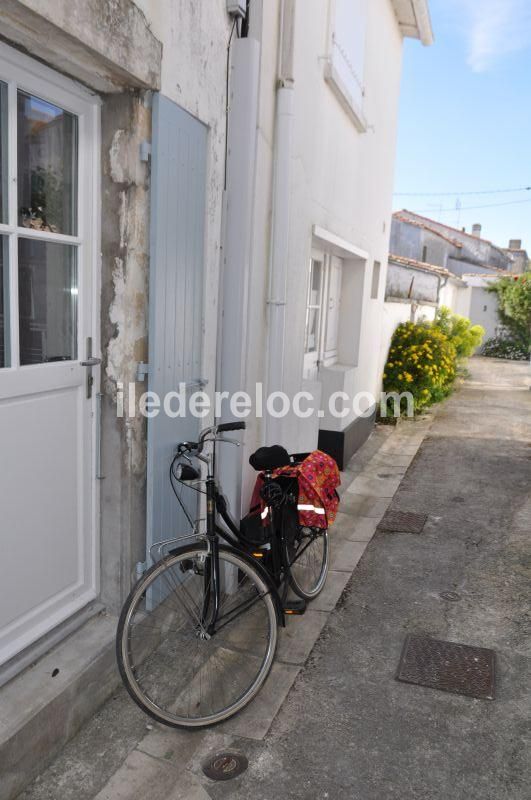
column 180, row 666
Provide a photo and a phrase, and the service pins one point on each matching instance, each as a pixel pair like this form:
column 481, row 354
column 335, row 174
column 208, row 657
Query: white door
column 48, row 232
column 314, row 309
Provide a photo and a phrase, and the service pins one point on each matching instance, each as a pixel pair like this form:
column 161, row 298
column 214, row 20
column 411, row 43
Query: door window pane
column 47, row 292
column 47, row 159
column 3, row 152
column 313, row 310
column 4, row 304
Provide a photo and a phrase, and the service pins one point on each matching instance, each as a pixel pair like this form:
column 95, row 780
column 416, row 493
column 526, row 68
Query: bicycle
column 198, row 633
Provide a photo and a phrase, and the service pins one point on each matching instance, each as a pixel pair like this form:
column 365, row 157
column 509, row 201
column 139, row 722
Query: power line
column 462, row 194
column 471, row 208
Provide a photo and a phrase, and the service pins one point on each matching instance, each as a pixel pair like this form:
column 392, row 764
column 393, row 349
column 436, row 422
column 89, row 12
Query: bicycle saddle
column 266, row 458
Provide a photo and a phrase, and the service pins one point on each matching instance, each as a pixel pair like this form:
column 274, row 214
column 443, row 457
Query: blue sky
column 465, row 117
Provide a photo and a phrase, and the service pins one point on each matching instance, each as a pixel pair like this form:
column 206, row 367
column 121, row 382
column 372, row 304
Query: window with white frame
column 313, row 307
column 38, row 230
column 348, row 50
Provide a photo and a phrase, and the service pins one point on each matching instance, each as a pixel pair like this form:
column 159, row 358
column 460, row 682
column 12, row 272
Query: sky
column 465, row 118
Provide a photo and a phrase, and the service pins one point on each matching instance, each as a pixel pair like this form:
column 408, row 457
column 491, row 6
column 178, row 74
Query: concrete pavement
column 347, row 729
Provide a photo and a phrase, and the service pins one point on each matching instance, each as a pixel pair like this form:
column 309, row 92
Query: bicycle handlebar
column 224, row 427
column 231, row 426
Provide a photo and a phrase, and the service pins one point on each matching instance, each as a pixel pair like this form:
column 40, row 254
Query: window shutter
column 349, row 45
column 176, row 276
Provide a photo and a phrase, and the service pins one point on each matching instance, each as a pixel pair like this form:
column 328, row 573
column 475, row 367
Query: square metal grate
column 403, row 522
column 448, row 666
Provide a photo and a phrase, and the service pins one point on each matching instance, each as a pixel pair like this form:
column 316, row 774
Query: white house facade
column 187, row 196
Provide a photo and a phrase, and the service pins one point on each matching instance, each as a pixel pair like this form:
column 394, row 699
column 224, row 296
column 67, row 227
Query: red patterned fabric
column 318, row 478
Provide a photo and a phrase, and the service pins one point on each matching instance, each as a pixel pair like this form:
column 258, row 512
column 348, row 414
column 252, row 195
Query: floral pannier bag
column 318, row 477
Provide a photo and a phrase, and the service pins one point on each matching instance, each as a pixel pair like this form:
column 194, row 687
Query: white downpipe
column 278, row 267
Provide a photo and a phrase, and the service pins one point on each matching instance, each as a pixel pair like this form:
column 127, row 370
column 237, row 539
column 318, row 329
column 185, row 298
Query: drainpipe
column 279, row 247
column 440, row 286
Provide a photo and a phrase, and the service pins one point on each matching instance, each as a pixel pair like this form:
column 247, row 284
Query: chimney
column 515, row 244
column 476, row 230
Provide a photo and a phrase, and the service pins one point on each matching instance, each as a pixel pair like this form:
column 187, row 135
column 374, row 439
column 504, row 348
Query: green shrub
column 501, row 347
column 464, row 336
column 422, row 361
column 514, row 308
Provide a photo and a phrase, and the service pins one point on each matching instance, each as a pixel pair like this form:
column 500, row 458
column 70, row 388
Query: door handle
column 91, row 362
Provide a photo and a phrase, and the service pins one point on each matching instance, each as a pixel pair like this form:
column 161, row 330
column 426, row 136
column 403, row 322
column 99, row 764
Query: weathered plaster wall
column 126, row 122
column 103, row 43
column 399, row 284
column 194, row 36
column 405, row 240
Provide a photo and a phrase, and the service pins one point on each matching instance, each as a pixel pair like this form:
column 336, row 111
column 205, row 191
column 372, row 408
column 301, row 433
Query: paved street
column 347, row 729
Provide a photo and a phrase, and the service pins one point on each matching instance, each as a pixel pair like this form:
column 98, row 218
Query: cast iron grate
column 403, row 522
column 449, row 666
column 224, row 766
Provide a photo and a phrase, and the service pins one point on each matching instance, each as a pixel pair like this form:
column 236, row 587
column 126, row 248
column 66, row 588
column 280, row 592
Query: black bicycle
column 198, row 633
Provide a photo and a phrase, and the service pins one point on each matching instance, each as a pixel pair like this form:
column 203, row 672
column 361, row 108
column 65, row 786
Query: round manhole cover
column 453, row 597
column 224, row 766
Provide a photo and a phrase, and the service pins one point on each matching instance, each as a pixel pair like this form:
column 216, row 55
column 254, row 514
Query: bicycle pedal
column 295, row 607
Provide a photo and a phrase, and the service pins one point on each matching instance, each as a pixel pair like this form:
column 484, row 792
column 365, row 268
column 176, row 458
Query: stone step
column 44, row 706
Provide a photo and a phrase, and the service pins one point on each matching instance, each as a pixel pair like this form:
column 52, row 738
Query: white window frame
column 330, row 356
column 317, row 258
column 21, row 72
column 314, row 359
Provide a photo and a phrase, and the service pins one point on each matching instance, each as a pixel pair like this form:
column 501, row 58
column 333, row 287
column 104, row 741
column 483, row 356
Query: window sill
column 346, row 100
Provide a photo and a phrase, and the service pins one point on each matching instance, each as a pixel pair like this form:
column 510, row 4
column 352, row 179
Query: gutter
column 422, row 15
column 279, row 248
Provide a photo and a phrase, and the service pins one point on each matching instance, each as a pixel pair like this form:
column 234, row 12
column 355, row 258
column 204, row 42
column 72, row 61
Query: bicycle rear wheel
column 175, row 669
column 306, row 555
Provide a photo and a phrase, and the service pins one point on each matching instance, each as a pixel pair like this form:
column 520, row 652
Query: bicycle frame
column 215, row 503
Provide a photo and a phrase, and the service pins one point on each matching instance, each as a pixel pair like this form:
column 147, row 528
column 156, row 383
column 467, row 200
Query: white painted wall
column 396, row 312
column 473, row 301
column 342, row 180
column 484, row 310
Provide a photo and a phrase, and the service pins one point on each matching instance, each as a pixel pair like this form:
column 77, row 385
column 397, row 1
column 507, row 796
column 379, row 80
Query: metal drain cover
column 224, row 766
column 403, row 522
column 449, row 666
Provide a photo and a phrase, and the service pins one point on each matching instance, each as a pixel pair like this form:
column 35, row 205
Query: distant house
column 456, row 250
column 432, row 264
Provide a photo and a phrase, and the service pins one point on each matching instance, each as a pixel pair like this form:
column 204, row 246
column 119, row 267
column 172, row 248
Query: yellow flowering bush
column 422, row 361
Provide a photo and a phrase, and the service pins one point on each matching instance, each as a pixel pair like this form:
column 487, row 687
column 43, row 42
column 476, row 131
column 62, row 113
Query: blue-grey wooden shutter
column 178, row 207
